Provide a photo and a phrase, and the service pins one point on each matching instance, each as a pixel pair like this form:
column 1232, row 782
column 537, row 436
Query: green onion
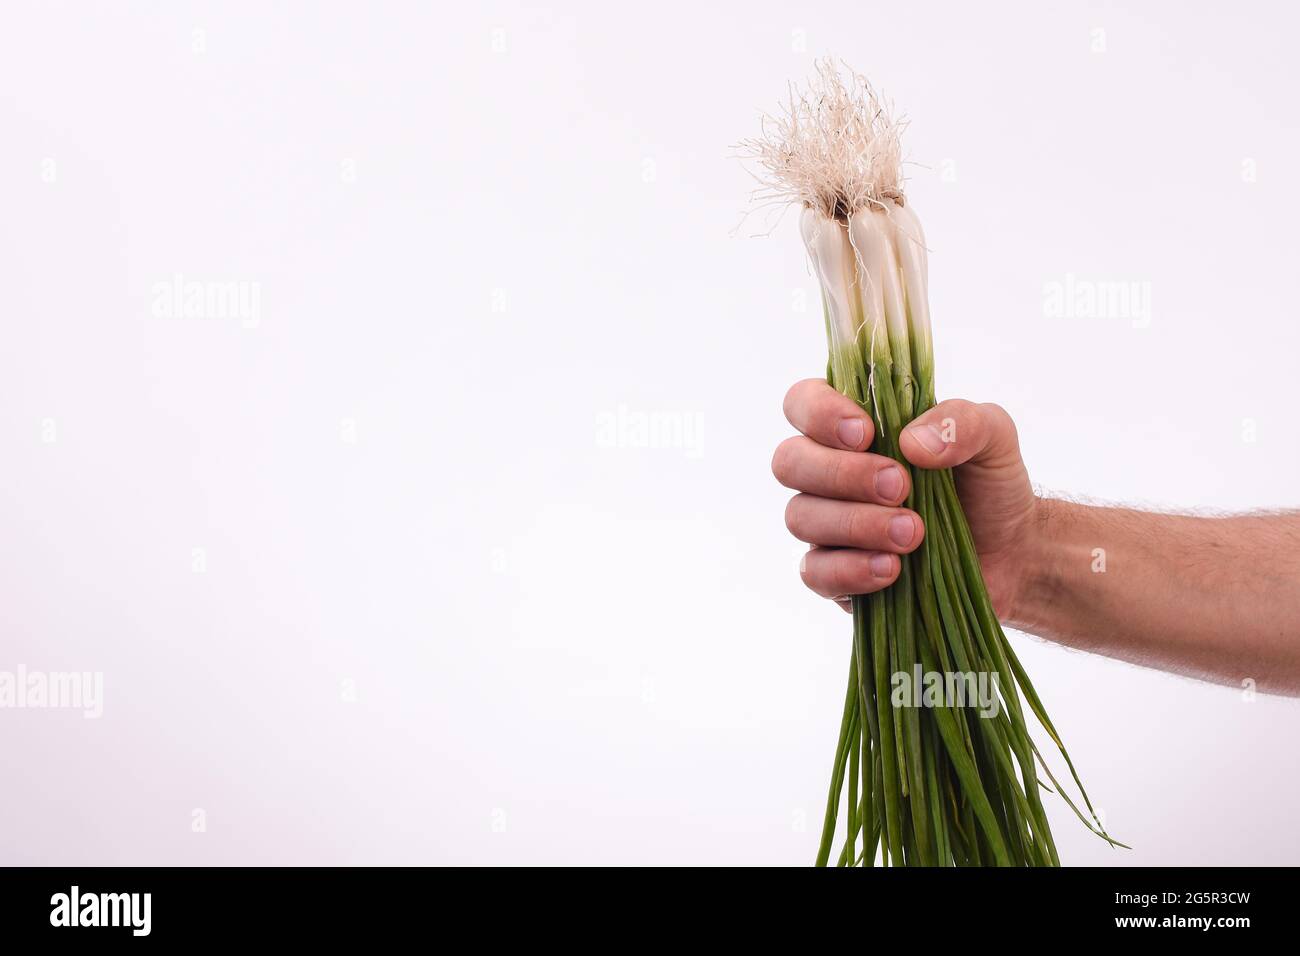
column 949, row 783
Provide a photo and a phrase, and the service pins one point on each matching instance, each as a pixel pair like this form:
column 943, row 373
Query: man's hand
column 1216, row 598
column 850, row 506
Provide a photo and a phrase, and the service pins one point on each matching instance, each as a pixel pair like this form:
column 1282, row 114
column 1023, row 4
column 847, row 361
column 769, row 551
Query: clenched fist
column 851, row 505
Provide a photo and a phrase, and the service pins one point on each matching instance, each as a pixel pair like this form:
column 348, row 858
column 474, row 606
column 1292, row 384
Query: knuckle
column 960, row 420
column 999, row 418
column 783, row 461
column 843, row 580
column 794, row 515
column 832, row 474
column 832, row 581
column 961, row 406
column 955, row 408
column 854, row 525
column 791, row 396
column 796, row 398
column 815, row 578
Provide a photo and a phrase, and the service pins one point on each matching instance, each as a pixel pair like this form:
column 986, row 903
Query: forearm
column 1217, row 598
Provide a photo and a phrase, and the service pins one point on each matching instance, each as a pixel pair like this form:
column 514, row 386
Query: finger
column 848, row 524
column 839, row 573
column 827, row 417
column 956, row 431
column 802, row 464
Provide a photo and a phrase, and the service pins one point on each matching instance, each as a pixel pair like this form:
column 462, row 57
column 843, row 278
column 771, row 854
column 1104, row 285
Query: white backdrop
column 451, row 536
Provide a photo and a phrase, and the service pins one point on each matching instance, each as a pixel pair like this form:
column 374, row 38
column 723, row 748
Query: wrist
column 1040, row 560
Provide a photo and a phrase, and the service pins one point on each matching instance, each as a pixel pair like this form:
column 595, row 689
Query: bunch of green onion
column 937, row 785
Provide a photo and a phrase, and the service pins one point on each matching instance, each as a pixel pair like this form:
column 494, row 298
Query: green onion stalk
column 932, row 777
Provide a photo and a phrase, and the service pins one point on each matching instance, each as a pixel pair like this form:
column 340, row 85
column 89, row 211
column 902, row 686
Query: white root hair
column 835, row 147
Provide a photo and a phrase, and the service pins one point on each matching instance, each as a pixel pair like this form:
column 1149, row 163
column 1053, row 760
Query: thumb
column 956, row 432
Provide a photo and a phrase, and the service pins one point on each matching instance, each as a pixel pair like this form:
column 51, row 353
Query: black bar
column 366, row 905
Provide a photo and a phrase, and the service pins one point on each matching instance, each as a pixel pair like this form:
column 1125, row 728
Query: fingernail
column 851, row 431
column 803, row 564
column 882, row 565
column 902, row 529
column 930, row 437
column 889, row 483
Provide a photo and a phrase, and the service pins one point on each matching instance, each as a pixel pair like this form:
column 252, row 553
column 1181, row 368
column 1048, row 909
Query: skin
column 1217, row 598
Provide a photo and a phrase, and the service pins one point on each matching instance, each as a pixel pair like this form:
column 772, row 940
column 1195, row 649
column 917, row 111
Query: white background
column 446, row 609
